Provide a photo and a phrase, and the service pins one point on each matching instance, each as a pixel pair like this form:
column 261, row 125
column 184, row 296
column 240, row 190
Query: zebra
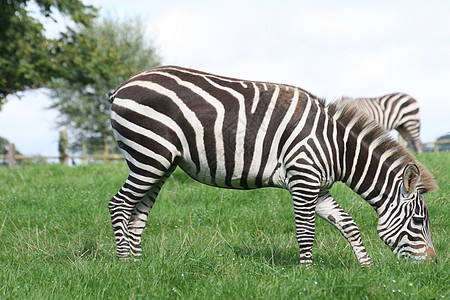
column 242, row 134
column 397, row 111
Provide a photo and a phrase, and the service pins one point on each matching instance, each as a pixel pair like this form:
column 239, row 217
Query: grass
column 56, row 241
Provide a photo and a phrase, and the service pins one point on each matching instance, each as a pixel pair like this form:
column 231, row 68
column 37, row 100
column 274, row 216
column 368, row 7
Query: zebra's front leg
column 304, row 207
column 328, row 209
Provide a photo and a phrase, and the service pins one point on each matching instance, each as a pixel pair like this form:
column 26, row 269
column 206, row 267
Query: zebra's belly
column 222, row 178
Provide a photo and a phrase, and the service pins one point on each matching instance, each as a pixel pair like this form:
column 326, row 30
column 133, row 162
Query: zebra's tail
column 111, row 94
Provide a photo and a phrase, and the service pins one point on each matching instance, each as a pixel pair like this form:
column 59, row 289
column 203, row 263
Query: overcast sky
column 330, row 48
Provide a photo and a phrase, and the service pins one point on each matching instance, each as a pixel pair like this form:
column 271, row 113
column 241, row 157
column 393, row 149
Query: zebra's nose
column 431, row 254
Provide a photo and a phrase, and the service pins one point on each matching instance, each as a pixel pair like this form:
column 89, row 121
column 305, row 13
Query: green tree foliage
column 103, row 56
column 26, row 55
column 4, row 147
column 4, row 144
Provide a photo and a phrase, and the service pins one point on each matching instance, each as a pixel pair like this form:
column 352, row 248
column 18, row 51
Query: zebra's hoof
column 367, row 264
column 123, row 257
column 307, row 263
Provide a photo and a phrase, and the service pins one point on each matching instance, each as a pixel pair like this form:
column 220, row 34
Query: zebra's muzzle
column 431, row 254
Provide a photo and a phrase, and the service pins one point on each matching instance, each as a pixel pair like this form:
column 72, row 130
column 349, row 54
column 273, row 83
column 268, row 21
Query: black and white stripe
column 395, row 111
column 242, row 134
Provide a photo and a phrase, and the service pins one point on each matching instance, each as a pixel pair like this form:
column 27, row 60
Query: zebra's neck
column 368, row 160
column 371, row 171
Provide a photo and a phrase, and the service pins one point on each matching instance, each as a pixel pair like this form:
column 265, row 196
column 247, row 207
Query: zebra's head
column 404, row 225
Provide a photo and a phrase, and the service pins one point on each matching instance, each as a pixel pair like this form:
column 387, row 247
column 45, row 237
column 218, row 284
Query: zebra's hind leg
column 139, row 216
column 409, row 136
column 130, row 207
column 328, row 209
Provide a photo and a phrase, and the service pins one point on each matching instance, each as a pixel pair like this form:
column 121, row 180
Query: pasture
column 56, row 242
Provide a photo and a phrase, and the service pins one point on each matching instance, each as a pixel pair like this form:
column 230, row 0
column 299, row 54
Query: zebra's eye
column 418, row 219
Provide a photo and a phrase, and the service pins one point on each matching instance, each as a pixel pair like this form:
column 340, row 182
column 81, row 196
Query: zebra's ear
column 411, row 176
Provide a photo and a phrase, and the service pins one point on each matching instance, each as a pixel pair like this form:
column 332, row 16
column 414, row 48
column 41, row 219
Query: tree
column 26, row 55
column 103, row 56
column 4, row 148
column 4, row 143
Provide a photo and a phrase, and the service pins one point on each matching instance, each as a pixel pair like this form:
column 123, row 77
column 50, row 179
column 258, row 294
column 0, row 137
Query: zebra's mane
column 345, row 113
column 322, row 101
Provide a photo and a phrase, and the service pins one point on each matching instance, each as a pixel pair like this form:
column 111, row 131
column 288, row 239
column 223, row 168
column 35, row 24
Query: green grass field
column 56, row 242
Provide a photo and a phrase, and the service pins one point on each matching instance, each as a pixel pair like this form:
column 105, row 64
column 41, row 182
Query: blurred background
column 59, row 58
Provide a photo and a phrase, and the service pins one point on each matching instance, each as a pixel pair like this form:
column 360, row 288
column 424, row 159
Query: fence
column 438, row 146
column 12, row 158
column 64, row 156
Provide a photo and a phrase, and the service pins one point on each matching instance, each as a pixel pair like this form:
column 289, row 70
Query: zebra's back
column 222, row 131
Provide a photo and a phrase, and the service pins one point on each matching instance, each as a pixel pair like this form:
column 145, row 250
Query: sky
column 329, row 48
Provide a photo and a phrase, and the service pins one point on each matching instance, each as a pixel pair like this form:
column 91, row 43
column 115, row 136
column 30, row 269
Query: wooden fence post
column 106, row 149
column 84, row 160
column 436, row 147
column 63, row 147
column 11, row 155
